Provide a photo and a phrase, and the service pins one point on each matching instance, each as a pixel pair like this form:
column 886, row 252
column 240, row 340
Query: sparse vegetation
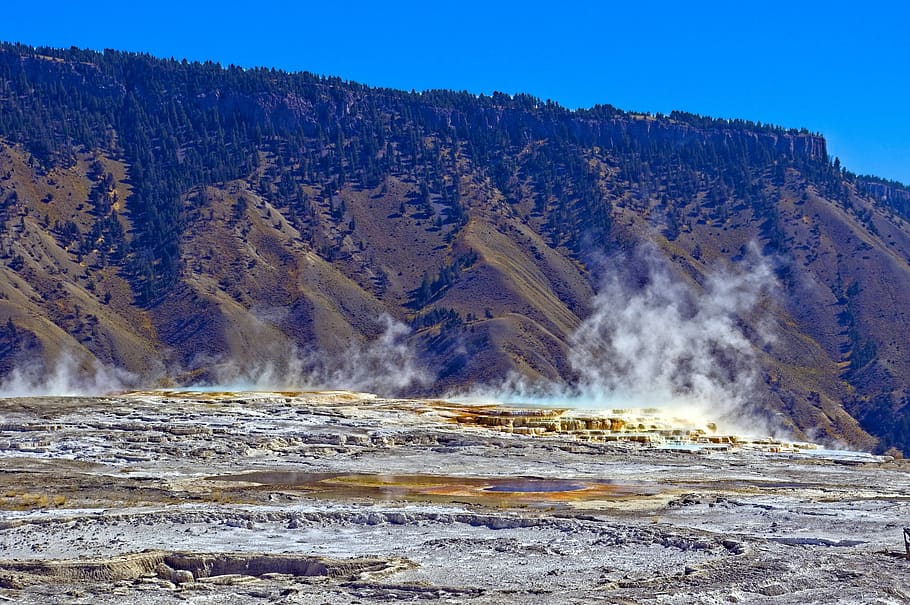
column 182, row 198
column 13, row 500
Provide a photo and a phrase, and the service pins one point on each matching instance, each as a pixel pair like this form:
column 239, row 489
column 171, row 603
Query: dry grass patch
column 12, row 500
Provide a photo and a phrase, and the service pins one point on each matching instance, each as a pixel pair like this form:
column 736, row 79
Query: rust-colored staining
column 489, row 491
column 662, row 428
column 635, row 426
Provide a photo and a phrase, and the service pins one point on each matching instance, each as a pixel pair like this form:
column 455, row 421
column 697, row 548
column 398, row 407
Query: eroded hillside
column 185, row 222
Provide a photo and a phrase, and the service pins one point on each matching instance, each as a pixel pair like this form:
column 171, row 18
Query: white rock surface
column 147, row 472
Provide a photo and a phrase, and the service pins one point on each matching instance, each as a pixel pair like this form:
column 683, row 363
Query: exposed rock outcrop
column 183, row 567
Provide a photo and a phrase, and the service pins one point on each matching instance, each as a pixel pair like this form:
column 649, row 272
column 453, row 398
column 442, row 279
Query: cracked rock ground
column 346, row 498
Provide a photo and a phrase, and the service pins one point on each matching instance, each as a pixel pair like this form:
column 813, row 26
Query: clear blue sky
column 840, row 68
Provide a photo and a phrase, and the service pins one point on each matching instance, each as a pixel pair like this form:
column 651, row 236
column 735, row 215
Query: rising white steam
column 669, row 343
column 655, row 340
column 386, row 365
column 69, row 375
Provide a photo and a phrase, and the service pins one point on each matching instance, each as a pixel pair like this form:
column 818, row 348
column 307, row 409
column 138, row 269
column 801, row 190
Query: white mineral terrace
column 341, row 497
column 651, row 427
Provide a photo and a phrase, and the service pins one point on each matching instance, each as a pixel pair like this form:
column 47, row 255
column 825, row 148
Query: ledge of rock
column 184, row 567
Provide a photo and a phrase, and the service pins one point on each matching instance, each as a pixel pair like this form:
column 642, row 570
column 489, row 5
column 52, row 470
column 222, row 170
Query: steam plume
column 668, row 343
column 655, row 340
column 69, row 375
column 386, row 365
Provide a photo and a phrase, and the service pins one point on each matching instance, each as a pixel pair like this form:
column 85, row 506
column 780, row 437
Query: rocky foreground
column 342, row 498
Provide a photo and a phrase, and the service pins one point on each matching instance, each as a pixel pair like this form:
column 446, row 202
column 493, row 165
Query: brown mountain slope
column 187, row 223
column 254, row 290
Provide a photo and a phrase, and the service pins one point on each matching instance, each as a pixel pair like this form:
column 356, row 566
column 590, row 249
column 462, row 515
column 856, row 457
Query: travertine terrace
column 167, row 497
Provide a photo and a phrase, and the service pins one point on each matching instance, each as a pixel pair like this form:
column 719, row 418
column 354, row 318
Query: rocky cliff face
column 183, row 222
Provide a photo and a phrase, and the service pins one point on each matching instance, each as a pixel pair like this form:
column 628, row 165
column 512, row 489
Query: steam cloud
column 386, row 365
column 654, row 340
column 668, row 343
column 69, row 375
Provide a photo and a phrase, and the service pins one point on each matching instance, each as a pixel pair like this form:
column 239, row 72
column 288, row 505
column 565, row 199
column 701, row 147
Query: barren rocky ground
column 346, row 498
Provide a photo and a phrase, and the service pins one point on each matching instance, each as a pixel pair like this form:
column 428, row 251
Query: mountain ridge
column 173, row 218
